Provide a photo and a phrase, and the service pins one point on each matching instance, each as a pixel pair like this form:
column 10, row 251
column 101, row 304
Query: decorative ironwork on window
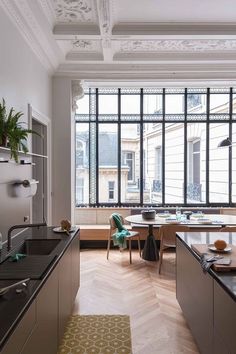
column 177, row 116
column 130, row 91
column 152, row 90
column 175, row 90
column 194, row 191
column 198, row 117
column 156, row 186
column 196, row 90
column 219, row 116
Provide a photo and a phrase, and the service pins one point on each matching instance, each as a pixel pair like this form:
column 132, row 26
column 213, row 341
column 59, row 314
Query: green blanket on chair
column 119, row 238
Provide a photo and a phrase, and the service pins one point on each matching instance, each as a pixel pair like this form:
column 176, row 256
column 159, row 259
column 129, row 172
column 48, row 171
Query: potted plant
column 12, row 133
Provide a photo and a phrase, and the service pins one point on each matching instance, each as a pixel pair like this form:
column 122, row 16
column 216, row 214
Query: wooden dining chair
column 167, row 235
column 132, row 235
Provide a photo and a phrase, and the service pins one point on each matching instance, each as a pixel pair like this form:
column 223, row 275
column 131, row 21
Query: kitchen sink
column 39, row 257
column 38, row 246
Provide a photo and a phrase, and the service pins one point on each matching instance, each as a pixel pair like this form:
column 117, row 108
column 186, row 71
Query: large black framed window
column 155, row 147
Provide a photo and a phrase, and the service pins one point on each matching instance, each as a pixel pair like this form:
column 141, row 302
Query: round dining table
column 150, row 251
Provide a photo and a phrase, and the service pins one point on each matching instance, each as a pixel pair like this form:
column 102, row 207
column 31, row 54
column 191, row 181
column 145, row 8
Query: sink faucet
column 23, row 226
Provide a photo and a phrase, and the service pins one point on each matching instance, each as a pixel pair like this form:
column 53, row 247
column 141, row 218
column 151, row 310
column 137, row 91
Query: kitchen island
column 33, row 320
column 208, row 300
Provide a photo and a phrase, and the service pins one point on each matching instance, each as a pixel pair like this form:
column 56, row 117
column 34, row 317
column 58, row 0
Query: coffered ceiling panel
column 174, row 10
column 129, row 39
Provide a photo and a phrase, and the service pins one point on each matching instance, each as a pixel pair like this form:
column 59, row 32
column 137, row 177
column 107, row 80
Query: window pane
column 219, row 103
column 81, row 162
column 234, row 163
column 196, row 163
column 130, row 164
column 196, row 103
column 152, row 144
column 83, row 105
column 108, row 169
column 130, row 104
column 108, row 104
column 174, row 104
column 174, row 163
column 219, row 164
column 152, row 104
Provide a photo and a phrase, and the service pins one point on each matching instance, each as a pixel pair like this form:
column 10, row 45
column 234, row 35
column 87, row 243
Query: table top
column 195, row 220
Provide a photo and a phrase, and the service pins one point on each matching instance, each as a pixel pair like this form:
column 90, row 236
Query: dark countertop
column 13, row 305
column 226, row 279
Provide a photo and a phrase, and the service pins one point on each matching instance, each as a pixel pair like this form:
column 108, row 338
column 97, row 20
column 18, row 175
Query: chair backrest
column 113, row 227
column 228, row 229
column 168, row 233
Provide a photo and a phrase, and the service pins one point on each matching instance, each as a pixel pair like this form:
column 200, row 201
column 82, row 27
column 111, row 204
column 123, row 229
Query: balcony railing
column 156, row 186
column 194, row 191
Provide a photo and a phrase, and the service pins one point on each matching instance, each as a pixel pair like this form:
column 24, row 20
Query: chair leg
column 139, row 247
column 130, row 256
column 160, row 260
column 108, row 247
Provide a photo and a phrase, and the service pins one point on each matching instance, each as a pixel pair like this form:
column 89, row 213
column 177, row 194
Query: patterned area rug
column 97, row 334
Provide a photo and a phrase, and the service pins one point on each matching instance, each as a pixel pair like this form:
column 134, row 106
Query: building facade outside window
column 111, row 190
column 158, row 146
column 129, row 160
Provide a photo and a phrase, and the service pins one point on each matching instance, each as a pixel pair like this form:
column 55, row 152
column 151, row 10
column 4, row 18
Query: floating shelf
column 18, row 163
column 23, row 153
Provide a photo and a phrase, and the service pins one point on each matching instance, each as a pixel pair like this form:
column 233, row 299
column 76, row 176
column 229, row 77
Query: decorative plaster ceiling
column 127, row 39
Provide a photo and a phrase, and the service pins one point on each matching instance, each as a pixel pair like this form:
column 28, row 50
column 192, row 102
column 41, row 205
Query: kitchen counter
column 14, row 305
column 226, row 279
column 206, row 299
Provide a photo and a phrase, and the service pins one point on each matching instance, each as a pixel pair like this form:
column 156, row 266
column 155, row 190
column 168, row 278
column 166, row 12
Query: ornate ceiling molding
column 182, row 45
column 83, row 45
column 77, row 92
column 74, row 11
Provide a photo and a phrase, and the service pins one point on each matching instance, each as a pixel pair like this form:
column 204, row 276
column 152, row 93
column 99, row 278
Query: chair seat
column 118, row 219
column 132, row 234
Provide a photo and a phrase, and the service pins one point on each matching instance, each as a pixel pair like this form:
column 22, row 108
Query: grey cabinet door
column 194, row 291
column 64, row 291
column 75, row 253
column 44, row 337
column 224, row 321
column 22, row 332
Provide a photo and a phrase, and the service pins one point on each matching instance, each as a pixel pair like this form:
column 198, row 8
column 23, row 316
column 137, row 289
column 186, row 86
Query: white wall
column 63, row 167
column 23, row 79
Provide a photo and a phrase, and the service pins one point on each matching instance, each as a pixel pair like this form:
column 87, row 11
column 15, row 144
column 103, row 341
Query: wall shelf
column 4, row 149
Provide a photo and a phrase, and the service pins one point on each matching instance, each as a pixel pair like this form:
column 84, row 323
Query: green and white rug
column 97, row 334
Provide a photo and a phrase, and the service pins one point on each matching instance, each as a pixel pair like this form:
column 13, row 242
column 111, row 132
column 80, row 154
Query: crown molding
column 48, row 10
column 22, row 17
column 164, row 71
column 89, row 83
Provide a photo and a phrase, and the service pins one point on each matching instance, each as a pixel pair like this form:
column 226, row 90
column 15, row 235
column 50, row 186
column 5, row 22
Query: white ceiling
column 148, row 40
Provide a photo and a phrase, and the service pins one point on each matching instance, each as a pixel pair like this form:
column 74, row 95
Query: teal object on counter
column 119, row 237
column 17, row 257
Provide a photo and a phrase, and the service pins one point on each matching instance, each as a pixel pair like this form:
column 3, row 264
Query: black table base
column 150, row 251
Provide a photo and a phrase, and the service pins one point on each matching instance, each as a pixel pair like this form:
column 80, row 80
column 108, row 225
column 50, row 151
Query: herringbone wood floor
column 116, row 287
